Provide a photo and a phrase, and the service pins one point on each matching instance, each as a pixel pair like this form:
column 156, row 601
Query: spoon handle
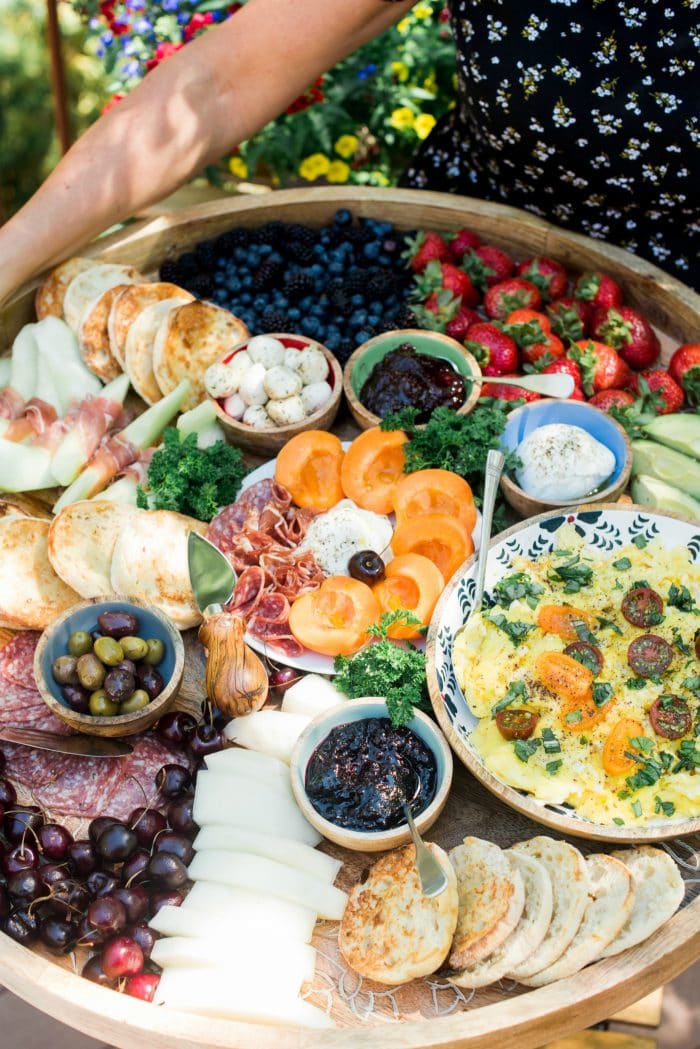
column 433, row 879
column 494, row 468
column 556, row 385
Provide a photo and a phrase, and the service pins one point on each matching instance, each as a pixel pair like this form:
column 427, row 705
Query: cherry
column 68, row 899
column 26, row 884
column 135, row 901
column 22, row 821
column 367, row 566
column 4, row 903
column 179, row 813
column 82, row 856
column 171, row 898
column 116, row 843
column 176, row 727
column 30, row 918
column 107, row 914
column 173, row 780
column 18, row 930
column 167, row 869
column 122, row 957
column 135, row 869
column 54, row 841
column 19, row 858
column 143, row 935
column 99, row 883
column 177, row 844
column 100, row 824
column 206, row 739
column 87, row 936
column 50, row 873
column 143, row 986
column 92, row 970
column 281, row 679
column 8, row 794
column 57, row 934
column 147, row 823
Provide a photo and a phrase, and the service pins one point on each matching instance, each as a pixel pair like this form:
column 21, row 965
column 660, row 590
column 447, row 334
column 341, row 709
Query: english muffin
column 81, row 542
column 138, row 351
column 658, row 893
column 94, row 337
column 390, row 931
column 128, row 305
column 31, row 594
column 48, row 301
column 87, row 287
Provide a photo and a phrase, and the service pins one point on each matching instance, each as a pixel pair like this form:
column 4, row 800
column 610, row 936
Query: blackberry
column 274, row 319
column 267, row 275
column 206, row 254
column 271, row 233
column 232, row 239
column 355, row 281
column 380, row 283
column 405, row 318
column 341, row 301
column 304, row 234
column 170, row 271
column 200, row 285
column 300, row 251
column 189, row 264
column 297, row 285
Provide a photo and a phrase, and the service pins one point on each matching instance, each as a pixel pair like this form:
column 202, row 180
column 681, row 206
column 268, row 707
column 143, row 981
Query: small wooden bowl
column 597, row 423
column 270, row 441
column 357, row 710
column 83, row 616
column 433, row 343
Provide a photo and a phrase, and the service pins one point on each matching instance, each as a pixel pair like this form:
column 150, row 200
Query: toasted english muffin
column 491, row 900
column 658, row 893
column 611, row 897
column 94, row 337
column 138, row 352
column 390, row 931
column 149, row 563
column 129, row 304
column 188, row 341
column 81, row 542
column 87, row 287
column 527, row 935
column 48, row 301
column 31, row 594
column 569, row 876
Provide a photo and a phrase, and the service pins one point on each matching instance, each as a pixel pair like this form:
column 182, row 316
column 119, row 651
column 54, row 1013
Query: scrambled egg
column 561, row 763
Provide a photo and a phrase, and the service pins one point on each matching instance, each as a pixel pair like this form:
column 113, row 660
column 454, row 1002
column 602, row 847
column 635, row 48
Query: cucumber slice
column 650, row 491
column 656, row 460
column 681, row 431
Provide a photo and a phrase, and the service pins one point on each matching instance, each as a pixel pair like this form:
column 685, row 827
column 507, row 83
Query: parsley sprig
column 515, row 587
column 574, row 573
column 515, row 630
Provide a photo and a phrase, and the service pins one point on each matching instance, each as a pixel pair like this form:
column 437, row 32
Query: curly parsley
column 194, row 481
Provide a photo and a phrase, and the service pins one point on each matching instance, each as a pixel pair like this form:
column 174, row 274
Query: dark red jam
column 404, row 377
column 360, row 774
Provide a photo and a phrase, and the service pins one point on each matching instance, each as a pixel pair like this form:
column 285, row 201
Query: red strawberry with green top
column 607, row 399
column 508, row 393
column 571, row 318
column 445, row 275
column 684, row 368
column 661, row 383
column 628, row 332
column 601, row 366
column 495, row 351
column 463, row 241
column 513, row 294
column 549, row 276
column 437, row 311
column 487, row 265
column 460, row 324
column 599, row 289
column 425, row 248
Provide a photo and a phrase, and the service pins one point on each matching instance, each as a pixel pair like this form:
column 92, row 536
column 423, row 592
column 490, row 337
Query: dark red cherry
column 146, row 823
column 22, row 823
column 92, row 970
column 107, row 914
column 143, row 935
column 176, row 727
column 54, row 841
column 173, row 780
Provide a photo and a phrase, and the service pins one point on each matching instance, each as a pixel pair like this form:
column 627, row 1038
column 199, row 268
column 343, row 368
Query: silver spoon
column 494, row 468
column 555, row 385
column 433, row 879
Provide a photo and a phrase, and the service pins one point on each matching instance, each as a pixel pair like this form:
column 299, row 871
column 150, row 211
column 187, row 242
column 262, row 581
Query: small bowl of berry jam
column 351, row 770
column 409, row 368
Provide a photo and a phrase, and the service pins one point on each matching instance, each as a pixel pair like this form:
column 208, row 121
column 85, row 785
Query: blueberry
column 247, row 281
column 260, row 302
column 294, row 314
column 245, row 298
column 362, row 336
column 371, row 251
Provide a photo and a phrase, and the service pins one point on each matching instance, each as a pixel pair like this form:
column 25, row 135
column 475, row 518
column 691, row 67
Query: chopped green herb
column 553, row 767
column 618, row 585
column 582, row 631
column 679, row 642
column 624, row 794
column 688, row 756
column 602, row 692
column 583, row 740
column 692, row 683
column 640, row 584
column 516, row 631
column 550, row 742
column 562, row 553
column 640, row 541
column 574, row 574
column 516, row 587
column 637, row 808
column 681, row 597
column 609, row 624
column 525, row 748
column 516, row 690
column 642, row 743
column 665, row 807
column 192, row 480
column 574, row 717
column 620, row 823
column 649, row 773
column 636, row 683
column 623, row 564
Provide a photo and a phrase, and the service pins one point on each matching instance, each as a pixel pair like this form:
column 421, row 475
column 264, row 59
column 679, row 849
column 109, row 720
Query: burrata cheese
column 562, row 462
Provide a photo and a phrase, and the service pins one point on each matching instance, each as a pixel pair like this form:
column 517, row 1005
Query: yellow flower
column 404, row 25
column 400, row 71
column 378, row 178
column 338, row 171
column 422, row 11
column 238, row 167
column 402, row 119
column 346, row 145
column 314, row 166
column 430, row 84
column 424, row 124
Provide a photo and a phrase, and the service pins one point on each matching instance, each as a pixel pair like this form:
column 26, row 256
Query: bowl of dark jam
column 352, row 769
column 409, row 368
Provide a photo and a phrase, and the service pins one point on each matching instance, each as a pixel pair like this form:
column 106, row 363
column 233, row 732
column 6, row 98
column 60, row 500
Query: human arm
column 186, row 113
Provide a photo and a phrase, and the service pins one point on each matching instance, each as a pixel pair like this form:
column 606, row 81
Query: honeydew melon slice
column 295, row 924
column 269, row 731
column 230, row 800
column 246, row 871
column 290, row 919
column 251, row 763
column 284, row 850
column 311, row 695
column 238, row 957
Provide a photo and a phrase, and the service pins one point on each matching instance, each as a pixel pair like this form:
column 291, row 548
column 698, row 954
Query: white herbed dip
column 562, row 462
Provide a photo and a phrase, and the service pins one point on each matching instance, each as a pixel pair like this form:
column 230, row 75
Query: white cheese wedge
column 239, row 957
column 231, row 801
column 284, row 850
column 247, row 871
column 311, row 695
column 293, row 923
column 248, row 763
column 269, row 731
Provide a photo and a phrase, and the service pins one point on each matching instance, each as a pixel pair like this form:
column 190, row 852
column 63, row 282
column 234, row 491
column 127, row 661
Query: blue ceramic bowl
column 595, row 422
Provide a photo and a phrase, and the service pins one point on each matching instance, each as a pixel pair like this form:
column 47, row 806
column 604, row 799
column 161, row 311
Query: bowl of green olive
column 110, row 667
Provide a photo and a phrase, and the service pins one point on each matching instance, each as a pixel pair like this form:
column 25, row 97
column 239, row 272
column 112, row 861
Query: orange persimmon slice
column 411, row 582
column 561, row 620
column 309, row 467
column 372, row 466
column 334, row 619
column 443, row 540
column 617, row 745
column 564, row 676
column 434, row 492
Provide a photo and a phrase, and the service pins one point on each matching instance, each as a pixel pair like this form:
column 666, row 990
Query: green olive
column 91, row 673
column 108, row 651
column 79, row 643
column 102, row 706
column 156, row 651
column 65, row 670
column 136, row 701
column 134, row 648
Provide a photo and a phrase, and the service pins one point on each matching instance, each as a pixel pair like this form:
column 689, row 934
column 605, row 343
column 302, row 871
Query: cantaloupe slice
column 284, row 850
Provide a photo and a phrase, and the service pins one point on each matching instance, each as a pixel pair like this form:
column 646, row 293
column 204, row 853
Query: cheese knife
column 82, row 746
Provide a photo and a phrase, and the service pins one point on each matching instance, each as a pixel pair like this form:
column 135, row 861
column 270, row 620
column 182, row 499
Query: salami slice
column 84, row 788
column 33, row 768
column 14, row 697
column 17, row 660
column 246, row 512
column 249, row 589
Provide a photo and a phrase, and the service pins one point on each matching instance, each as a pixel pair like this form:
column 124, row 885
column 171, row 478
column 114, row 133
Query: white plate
column 310, row 662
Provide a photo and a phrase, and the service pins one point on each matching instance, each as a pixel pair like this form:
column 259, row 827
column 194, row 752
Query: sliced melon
column 656, row 460
column 269, row 731
column 238, row 956
column 679, row 430
column 650, row 491
column 244, row 762
column 231, row 800
column 311, row 695
column 284, row 850
column 202, row 923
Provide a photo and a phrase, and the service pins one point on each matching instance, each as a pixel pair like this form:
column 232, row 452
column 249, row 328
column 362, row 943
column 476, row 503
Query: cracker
column 48, row 301
column 87, row 287
column 81, row 542
column 94, row 338
column 138, row 353
column 658, row 893
column 31, row 594
column 129, row 304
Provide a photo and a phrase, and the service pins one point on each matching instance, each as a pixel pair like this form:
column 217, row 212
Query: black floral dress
column 586, row 112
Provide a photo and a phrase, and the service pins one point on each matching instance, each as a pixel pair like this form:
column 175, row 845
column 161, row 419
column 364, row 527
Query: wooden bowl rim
column 130, row 723
column 537, row 811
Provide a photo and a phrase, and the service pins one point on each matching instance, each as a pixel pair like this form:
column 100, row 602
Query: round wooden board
column 418, row 1015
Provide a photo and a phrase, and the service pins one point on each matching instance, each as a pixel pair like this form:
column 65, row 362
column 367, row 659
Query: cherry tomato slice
column 588, row 655
column 649, row 655
column 643, row 606
column 516, row 723
column 670, row 717
column 697, row 644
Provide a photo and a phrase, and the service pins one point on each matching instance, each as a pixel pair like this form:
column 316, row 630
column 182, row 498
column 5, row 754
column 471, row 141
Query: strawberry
column 437, row 311
column 508, row 295
column 439, row 275
column 565, row 366
column 425, row 247
column 684, row 368
column 571, row 318
column 658, row 381
column 601, row 366
column 463, row 241
column 599, row 289
column 549, row 276
column 508, row 393
column 607, row 399
column 577, row 394
column 460, row 324
column 487, row 265
column 532, row 332
column 628, row 332
column 495, row 351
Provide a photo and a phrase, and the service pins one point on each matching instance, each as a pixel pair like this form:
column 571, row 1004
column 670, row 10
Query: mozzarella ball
column 238, row 366
column 286, row 411
column 313, row 366
column 314, row 396
column 220, row 380
column 280, row 382
column 265, row 350
column 257, row 417
column 252, row 388
column 292, row 358
column 235, row 406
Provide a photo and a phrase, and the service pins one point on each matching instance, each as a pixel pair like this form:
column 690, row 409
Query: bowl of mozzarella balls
column 270, row 387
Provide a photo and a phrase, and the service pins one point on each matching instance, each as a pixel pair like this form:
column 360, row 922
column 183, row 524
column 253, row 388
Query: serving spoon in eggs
column 557, row 384
column 494, row 468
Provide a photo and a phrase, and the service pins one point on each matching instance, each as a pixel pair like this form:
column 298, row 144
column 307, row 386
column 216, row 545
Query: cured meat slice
column 33, row 768
column 249, row 589
column 17, row 660
column 14, row 698
column 245, row 513
column 84, row 788
column 270, row 623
